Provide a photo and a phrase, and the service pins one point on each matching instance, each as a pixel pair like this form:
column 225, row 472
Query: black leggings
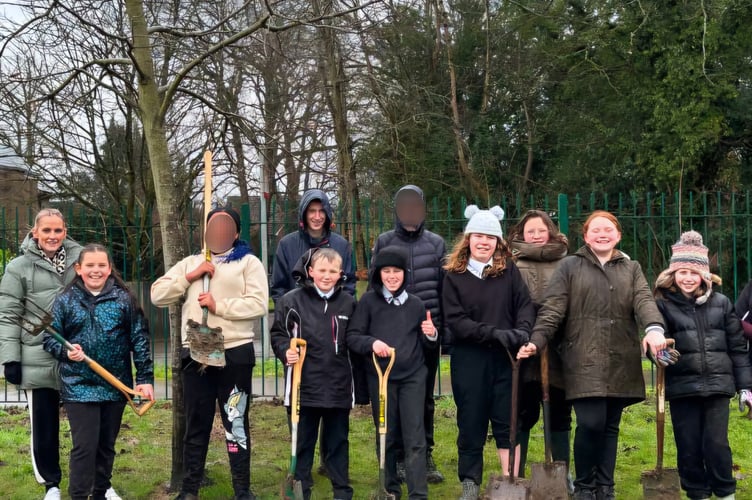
column 596, row 440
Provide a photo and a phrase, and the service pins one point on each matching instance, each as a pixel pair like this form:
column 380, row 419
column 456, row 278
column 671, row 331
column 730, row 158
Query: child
column 238, row 294
column 595, row 300
column 389, row 317
column 318, row 312
column 537, row 247
column 488, row 309
column 712, row 367
column 101, row 318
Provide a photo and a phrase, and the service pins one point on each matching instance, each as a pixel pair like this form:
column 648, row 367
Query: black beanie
column 229, row 211
column 391, row 256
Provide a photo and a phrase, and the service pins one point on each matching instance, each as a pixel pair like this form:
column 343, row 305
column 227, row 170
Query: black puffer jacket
column 714, row 359
column 326, row 380
column 426, row 251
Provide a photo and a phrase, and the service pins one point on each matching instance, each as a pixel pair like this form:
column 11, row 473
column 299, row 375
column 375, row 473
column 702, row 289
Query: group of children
column 586, row 309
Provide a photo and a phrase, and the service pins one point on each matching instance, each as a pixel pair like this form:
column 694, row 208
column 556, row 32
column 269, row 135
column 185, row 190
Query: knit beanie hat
column 391, row 256
column 690, row 253
column 484, row 221
column 226, row 211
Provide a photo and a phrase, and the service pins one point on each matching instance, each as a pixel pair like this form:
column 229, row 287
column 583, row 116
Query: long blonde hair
column 457, row 260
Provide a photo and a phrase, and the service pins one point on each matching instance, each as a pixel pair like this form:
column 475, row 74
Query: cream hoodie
column 240, row 289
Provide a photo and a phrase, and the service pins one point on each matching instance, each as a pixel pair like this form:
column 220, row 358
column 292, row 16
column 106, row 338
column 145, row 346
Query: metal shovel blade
column 548, row 481
column 504, row 488
column 661, row 484
column 206, row 344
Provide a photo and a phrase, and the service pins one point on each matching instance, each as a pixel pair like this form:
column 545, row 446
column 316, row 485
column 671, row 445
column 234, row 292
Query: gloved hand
column 667, row 356
column 511, row 339
column 745, row 399
column 13, row 372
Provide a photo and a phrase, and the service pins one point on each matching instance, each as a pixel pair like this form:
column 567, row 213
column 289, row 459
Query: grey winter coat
column 30, row 277
column 600, row 308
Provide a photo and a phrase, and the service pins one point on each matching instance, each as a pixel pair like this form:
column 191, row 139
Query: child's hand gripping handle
column 298, row 345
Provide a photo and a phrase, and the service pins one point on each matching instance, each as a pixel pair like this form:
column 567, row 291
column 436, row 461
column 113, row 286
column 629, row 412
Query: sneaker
column 470, row 490
column 433, row 475
column 401, row 472
column 111, row 494
column 53, row 494
column 246, row 495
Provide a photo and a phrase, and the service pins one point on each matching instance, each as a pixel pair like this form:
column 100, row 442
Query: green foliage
column 5, row 256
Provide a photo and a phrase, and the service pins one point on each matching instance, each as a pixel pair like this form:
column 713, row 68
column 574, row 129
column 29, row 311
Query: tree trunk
column 174, row 244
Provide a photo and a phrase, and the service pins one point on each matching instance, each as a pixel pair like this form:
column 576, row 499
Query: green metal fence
column 651, row 223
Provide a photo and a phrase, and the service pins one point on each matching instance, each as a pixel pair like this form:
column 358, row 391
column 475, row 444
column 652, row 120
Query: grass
column 142, row 467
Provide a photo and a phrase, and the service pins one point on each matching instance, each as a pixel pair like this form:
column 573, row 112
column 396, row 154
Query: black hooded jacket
column 326, row 380
column 426, row 251
column 292, row 247
column 397, row 326
column 714, row 360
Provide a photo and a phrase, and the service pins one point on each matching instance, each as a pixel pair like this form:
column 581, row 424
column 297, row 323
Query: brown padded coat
column 536, row 264
column 600, row 308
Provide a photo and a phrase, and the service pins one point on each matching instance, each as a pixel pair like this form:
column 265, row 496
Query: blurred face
column 688, row 281
column 49, row 233
column 602, row 236
column 315, row 218
column 535, row 231
column 94, row 270
column 392, row 278
column 221, row 233
column 411, row 211
column 325, row 274
column 482, row 246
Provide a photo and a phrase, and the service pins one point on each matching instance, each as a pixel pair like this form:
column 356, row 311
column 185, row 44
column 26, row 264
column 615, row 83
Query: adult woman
column 538, row 246
column 31, row 280
column 598, row 296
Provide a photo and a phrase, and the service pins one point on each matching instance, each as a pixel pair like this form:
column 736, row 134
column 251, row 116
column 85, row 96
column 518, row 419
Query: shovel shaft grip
column 383, row 383
column 297, row 371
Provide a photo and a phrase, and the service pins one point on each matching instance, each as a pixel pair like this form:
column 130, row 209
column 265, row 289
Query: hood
column 389, row 256
column 398, row 227
column 308, row 197
column 29, row 246
column 548, row 252
column 300, row 271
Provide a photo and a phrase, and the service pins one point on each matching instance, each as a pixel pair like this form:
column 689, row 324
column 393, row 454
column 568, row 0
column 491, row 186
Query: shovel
column 510, row 487
column 206, row 344
column 548, row 480
column 136, row 400
column 660, row 483
column 382, row 494
column 293, row 489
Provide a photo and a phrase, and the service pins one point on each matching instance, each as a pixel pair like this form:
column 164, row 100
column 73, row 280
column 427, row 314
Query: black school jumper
column 398, row 326
column 480, row 368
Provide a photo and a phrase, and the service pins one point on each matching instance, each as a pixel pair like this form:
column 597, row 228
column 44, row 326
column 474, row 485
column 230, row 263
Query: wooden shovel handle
column 297, row 371
column 383, row 383
column 140, row 409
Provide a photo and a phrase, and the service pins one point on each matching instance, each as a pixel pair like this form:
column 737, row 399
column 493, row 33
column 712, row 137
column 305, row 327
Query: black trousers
column 44, row 411
column 531, row 396
column 94, row 429
column 230, row 387
column 596, row 440
column 336, row 439
column 482, row 390
column 404, row 414
column 429, row 405
column 702, row 446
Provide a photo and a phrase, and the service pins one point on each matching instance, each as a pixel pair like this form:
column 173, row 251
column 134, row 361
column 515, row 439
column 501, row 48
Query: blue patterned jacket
column 108, row 327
